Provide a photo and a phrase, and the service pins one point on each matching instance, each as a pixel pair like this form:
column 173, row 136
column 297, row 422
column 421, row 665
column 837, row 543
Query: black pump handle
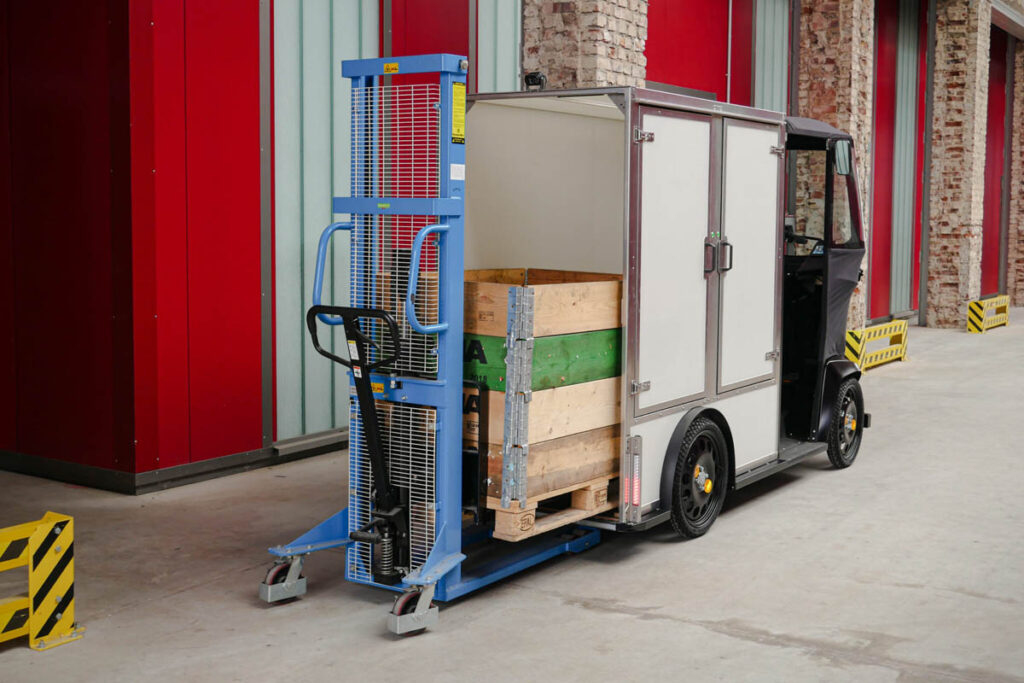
column 351, row 317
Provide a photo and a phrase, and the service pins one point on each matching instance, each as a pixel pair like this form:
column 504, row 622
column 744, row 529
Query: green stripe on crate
column 558, row 361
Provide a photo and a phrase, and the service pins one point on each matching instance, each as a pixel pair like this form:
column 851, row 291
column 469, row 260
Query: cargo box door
column 750, row 255
column 669, row 290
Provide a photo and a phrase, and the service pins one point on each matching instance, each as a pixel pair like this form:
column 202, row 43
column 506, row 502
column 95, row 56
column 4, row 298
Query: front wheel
column 406, row 604
column 847, row 426
column 701, row 479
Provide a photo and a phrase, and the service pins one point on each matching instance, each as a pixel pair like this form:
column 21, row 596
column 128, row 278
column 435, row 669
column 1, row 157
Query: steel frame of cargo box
column 648, row 429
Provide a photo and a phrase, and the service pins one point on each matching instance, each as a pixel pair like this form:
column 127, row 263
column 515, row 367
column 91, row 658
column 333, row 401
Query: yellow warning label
column 459, row 113
column 377, row 387
column 391, row 67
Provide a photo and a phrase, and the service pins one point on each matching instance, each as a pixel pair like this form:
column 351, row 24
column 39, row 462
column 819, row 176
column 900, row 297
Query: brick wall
column 836, row 86
column 585, row 43
column 957, row 188
column 1015, row 270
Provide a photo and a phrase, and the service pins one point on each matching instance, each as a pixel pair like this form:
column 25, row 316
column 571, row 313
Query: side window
column 809, row 208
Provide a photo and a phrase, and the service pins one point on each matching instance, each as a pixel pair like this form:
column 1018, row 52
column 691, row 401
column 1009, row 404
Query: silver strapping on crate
column 518, row 388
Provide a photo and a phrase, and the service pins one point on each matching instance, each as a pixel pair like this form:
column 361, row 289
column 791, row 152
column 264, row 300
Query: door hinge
column 779, row 151
column 772, row 355
column 636, row 386
column 634, row 445
column 642, row 136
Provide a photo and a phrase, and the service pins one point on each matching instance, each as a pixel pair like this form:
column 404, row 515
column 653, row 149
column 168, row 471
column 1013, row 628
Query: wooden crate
column 564, row 301
column 571, row 437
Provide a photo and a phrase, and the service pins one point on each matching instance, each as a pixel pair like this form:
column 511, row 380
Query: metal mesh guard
column 396, row 153
column 408, row 438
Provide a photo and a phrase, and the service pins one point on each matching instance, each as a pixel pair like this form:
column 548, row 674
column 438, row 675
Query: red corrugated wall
column 68, row 213
column 8, row 387
column 995, row 148
column 196, row 198
column 130, row 212
column 886, row 29
column 223, row 175
column 420, row 27
column 688, row 46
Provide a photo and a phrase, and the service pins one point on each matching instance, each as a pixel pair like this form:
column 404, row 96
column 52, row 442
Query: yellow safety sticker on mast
column 459, row 113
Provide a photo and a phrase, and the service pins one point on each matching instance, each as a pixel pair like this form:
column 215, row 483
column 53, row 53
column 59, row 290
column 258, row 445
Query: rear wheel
column 847, row 426
column 278, row 574
column 701, row 479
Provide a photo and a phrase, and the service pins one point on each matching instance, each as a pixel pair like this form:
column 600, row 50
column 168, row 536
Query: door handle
column 710, row 252
column 725, row 251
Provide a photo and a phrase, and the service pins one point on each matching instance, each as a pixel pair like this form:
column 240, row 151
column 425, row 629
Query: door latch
column 636, row 386
column 778, row 151
column 642, row 135
column 772, row 355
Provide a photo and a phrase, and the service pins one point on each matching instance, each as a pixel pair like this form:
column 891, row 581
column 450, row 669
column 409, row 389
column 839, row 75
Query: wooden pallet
column 517, row 523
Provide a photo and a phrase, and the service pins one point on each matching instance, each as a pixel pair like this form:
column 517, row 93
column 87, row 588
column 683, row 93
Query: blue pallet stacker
column 412, row 525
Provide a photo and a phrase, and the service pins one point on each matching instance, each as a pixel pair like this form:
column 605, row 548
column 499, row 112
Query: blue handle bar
column 414, row 275
column 318, row 277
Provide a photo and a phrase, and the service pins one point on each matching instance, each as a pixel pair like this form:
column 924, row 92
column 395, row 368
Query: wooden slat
column 559, row 360
column 576, row 307
column 559, row 465
column 559, row 412
column 486, row 310
column 564, row 302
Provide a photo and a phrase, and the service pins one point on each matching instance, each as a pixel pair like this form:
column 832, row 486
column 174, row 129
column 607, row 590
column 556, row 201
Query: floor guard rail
column 984, row 314
column 895, row 334
column 46, row 613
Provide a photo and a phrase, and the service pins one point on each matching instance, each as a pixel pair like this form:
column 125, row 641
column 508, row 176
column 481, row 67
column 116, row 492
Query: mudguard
column 668, row 467
column 837, row 371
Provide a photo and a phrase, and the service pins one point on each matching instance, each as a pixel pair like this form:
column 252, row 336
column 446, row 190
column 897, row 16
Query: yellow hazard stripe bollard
column 984, row 314
column 895, row 334
column 47, row 613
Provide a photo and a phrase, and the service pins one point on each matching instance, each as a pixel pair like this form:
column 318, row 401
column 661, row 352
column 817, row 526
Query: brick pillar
column 836, row 85
column 960, row 111
column 1015, row 253
column 585, row 43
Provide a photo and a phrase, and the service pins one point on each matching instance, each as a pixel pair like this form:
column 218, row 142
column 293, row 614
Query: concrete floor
column 908, row 566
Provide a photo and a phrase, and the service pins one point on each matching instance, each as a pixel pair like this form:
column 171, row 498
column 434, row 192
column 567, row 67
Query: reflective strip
column 51, row 582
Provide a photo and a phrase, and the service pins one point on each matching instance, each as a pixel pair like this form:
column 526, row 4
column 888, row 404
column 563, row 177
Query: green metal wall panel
column 499, row 30
column 771, row 54
column 311, row 165
column 904, row 182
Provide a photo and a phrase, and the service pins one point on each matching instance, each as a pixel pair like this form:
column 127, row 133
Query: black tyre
column 701, row 479
column 847, row 426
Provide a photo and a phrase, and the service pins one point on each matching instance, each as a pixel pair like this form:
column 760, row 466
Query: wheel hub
column 849, row 424
column 701, row 479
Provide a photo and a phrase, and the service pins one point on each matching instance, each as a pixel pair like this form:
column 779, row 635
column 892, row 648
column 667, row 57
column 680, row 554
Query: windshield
column 844, row 234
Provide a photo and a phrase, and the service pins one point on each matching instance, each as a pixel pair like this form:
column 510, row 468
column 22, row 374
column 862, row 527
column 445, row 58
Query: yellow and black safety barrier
column 984, row 314
column 47, row 613
column 894, row 332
